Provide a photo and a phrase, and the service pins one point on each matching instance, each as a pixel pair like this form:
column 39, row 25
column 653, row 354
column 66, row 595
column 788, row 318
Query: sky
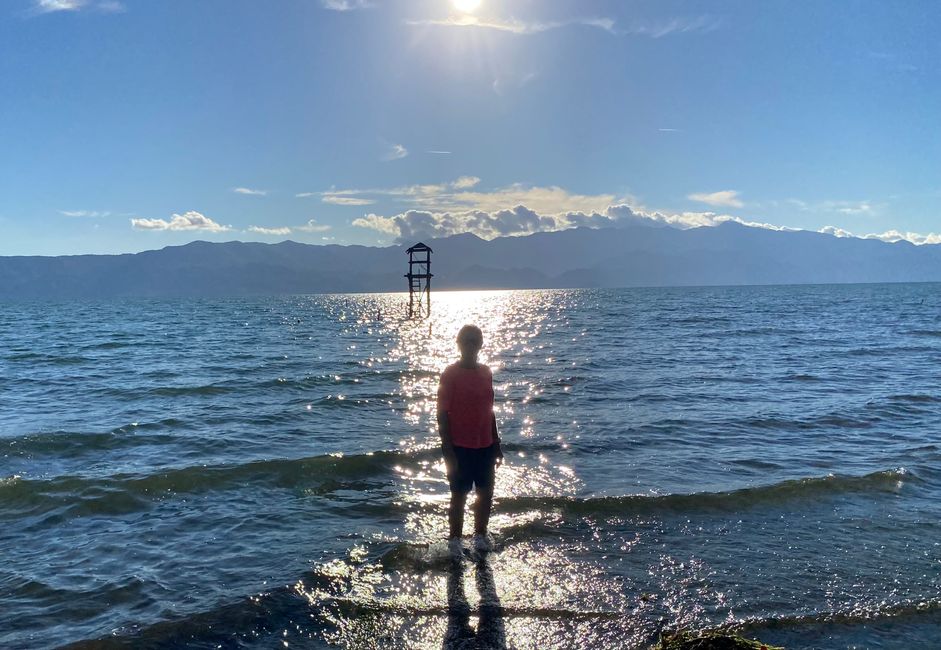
column 128, row 125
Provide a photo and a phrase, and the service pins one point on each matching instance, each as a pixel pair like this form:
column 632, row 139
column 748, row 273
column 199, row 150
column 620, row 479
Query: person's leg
column 460, row 481
column 484, row 474
column 482, row 509
column 456, row 513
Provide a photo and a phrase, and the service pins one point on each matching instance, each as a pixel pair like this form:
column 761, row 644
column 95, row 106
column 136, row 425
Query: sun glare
column 466, row 6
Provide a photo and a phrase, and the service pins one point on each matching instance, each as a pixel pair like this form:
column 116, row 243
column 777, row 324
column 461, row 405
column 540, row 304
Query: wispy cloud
column 83, row 213
column 346, row 5
column 851, row 208
column 677, row 25
column 460, row 194
column 51, row 6
column 261, row 230
column 395, row 152
column 724, row 198
column 439, row 153
column 507, row 82
column 306, row 195
column 310, row 226
column 666, row 130
column 250, row 192
column 514, row 25
column 191, row 220
column 111, row 7
column 465, row 182
column 313, row 226
column 345, row 200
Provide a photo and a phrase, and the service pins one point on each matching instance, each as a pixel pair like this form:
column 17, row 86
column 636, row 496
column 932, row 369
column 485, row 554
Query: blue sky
column 135, row 124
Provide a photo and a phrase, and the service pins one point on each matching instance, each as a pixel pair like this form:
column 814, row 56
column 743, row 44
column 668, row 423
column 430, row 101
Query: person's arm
column 444, row 424
column 498, row 450
column 444, row 431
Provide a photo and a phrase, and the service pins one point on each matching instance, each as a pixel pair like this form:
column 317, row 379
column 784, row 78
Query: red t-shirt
column 466, row 395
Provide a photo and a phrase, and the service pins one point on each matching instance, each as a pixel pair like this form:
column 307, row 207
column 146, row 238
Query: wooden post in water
column 419, row 280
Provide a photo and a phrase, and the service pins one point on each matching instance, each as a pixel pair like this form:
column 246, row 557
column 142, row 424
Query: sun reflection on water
column 550, row 592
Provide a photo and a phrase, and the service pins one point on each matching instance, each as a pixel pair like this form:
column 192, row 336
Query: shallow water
column 253, row 472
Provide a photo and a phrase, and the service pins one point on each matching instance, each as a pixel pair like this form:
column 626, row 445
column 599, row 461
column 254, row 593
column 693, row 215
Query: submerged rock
column 709, row 641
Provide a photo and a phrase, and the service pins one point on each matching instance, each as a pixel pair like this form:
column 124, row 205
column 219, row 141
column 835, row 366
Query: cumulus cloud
column 523, row 220
column 83, row 213
column 346, row 5
column 191, row 220
column 313, row 226
column 836, row 232
column 261, row 230
column 913, row 237
column 249, row 192
column 724, row 198
column 395, row 152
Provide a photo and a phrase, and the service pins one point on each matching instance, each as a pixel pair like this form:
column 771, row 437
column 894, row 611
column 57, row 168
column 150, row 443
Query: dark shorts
column 475, row 467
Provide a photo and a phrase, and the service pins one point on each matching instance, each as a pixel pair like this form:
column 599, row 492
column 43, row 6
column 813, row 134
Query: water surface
column 262, row 471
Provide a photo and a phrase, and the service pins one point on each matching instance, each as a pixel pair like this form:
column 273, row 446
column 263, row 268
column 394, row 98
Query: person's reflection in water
column 491, row 632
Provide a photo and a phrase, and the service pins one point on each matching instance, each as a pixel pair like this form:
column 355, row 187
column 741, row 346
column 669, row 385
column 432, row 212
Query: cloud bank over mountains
column 456, row 207
column 459, row 206
column 523, row 220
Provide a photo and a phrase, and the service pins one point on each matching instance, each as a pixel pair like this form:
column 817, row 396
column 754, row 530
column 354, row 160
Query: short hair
column 470, row 331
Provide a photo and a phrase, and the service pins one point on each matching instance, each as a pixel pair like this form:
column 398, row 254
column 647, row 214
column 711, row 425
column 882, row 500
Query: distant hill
column 636, row 255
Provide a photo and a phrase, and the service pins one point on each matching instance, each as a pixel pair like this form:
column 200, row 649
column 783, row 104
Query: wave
column 123, row 493
column 66, row 444
column 855, row 616
column 65, row 360
column 801, row 377
column 806, row 488
column 916, row 398
column 932, row 333
column 181, row 391
column 110, row 345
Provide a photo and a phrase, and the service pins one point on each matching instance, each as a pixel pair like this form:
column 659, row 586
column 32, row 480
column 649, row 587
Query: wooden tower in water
column 419, row 280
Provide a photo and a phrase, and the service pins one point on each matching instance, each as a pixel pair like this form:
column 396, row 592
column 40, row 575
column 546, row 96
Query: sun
column 466, row 6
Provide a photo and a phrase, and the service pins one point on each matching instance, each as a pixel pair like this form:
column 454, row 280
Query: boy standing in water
column 469, row 439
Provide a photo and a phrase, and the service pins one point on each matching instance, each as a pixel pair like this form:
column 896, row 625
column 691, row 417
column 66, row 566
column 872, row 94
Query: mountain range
column 633, row 255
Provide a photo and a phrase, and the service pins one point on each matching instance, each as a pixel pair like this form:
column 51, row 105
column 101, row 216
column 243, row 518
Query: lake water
column 264, row 472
